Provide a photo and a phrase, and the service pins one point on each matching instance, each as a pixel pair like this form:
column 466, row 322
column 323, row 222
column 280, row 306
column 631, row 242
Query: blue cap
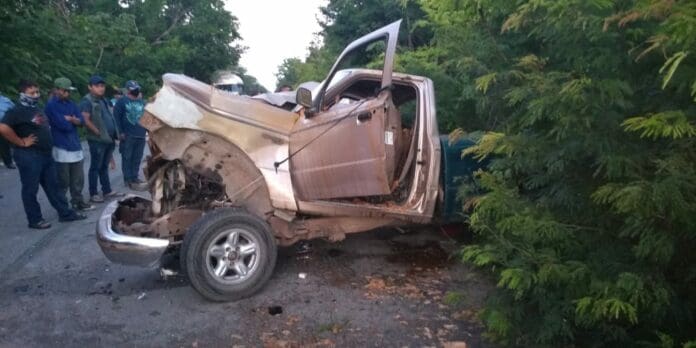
column 96, row 79
column 132, row 85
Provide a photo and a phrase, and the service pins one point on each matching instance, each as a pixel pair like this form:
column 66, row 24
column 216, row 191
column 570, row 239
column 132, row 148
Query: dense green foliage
column 121, row 40
column 588, row 222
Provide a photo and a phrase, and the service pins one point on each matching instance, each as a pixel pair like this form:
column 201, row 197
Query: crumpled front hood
column 279, row 99
column 184, row 102
column 285, row 99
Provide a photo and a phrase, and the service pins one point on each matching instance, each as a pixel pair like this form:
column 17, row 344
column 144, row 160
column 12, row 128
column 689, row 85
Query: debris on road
column 427, row 333
column 292, row 320
column 378, row 287
column 167, row 273
column 275, row 310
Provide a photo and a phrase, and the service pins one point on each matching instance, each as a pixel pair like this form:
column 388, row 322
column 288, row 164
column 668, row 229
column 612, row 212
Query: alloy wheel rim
column 232, row 256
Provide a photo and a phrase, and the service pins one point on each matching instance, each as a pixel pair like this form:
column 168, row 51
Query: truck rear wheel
column 228, row 254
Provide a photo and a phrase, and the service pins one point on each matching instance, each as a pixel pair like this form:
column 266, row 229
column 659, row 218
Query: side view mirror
column 304, row 97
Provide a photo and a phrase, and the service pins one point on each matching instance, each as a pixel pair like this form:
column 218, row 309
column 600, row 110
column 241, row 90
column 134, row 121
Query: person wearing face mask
column 27, row 129
column 128, row 111
column 102, row 134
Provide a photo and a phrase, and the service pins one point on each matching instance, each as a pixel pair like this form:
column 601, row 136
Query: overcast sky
column 273, row 30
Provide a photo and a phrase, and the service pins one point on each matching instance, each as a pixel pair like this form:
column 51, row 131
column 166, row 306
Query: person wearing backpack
column 5, row 153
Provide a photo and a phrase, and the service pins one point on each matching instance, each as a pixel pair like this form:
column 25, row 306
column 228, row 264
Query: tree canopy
column 121, row 40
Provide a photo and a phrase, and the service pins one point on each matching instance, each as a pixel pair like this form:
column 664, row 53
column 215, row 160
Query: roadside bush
column 588, row 222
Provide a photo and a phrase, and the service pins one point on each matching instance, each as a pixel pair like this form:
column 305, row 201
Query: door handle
column 364, row 116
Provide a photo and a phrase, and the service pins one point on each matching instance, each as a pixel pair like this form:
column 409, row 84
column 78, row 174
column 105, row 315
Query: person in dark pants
column 101, row 136
column 127, row 113
column 5, row 153
column 27, row 129
column 64, row 118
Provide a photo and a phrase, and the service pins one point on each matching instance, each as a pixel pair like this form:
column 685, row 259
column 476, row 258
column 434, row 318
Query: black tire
column 199, row 265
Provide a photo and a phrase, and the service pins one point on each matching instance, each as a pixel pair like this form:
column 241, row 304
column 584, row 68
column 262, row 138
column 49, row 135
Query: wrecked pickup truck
column 232, row 177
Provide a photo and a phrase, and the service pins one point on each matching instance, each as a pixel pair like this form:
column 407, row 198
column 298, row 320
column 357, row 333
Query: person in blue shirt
column 64, row 118
column 127, row 112
column 5, row 153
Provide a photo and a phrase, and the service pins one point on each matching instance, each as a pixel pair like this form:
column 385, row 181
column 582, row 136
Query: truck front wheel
column 228, row 254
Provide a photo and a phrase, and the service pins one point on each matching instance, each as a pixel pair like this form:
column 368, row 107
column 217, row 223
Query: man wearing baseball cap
column 101, row 137
column 64, row 118
column 128, row 111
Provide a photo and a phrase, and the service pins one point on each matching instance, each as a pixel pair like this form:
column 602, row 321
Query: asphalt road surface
column 384, row 288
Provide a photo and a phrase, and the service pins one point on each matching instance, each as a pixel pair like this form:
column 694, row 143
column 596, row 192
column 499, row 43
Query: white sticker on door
column 389, row 138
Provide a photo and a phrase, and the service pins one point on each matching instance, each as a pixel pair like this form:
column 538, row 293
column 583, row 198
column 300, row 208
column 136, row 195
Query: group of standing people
column 47, row 150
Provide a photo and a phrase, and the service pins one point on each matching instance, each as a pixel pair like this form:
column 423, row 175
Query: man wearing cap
column 127, row 113
column 27, row 129
column 64, row 118
column 101, row 136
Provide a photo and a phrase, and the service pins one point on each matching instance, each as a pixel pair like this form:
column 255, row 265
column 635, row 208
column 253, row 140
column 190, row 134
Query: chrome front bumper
column 125, row 249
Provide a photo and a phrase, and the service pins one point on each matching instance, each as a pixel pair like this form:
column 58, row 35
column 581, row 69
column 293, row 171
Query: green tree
column 289, row 72
column 122, row 40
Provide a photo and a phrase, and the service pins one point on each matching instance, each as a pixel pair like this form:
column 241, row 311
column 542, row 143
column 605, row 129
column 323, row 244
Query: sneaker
column 82, row 206
column 114, row 194
column 10, row 166
column 41, row 225
column 73, row 217
column 97, row 199
column 138, row 186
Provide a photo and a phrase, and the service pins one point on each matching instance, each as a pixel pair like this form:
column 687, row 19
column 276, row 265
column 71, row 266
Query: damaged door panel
column 231, row 177
column 321, row 168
